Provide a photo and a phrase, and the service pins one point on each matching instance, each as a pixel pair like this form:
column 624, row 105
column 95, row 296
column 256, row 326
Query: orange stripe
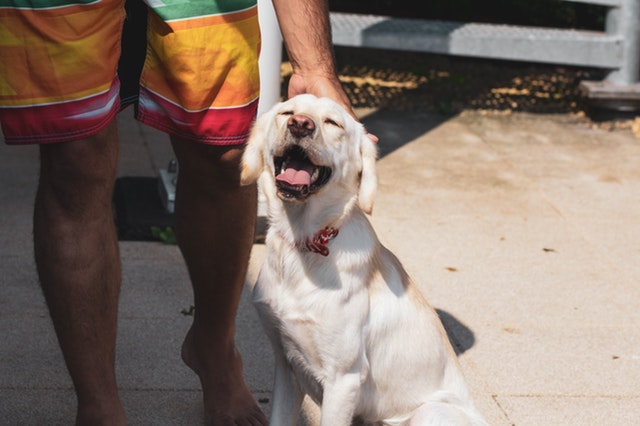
column 34, row 14
column 44, row 61
column 229, row 18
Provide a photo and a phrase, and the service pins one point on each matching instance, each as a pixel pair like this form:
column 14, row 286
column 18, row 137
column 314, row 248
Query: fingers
column 371, row 136
column 323, row 86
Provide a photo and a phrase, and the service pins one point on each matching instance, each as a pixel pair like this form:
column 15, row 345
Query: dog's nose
column 300, row 125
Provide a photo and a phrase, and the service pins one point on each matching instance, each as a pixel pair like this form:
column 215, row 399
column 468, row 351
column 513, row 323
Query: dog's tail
column 447, row 409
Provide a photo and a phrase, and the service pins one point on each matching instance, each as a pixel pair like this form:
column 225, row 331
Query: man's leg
column 76, row 249
column 215, row 221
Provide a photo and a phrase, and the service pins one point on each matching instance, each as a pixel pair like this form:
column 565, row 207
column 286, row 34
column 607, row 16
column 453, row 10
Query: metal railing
column 616, row 48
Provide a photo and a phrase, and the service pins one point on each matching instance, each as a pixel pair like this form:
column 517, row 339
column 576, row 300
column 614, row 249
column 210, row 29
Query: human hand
column 323, row 86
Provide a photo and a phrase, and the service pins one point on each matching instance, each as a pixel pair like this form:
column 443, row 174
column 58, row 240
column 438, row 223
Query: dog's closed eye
column 332, row 122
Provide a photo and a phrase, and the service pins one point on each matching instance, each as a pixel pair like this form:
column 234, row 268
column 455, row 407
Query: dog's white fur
column 349, row 329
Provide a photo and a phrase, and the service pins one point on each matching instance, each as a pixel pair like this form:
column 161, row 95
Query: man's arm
column 306, row 32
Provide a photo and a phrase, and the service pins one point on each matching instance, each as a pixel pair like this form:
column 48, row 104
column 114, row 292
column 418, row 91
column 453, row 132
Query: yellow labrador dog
column 348, row 326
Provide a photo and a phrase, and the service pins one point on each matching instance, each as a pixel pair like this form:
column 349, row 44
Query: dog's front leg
column 339, row 400
column 287, row 395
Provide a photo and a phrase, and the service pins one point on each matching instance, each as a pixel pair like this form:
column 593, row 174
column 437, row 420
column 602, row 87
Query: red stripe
column 224, row 126
column 60, row 122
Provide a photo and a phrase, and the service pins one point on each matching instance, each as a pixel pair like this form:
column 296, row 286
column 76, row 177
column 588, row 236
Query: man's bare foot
column 107, row 413
column 227, row 399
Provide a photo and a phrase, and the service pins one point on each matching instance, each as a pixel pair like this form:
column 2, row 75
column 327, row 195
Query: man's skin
column 77, row 255
column 76, row 251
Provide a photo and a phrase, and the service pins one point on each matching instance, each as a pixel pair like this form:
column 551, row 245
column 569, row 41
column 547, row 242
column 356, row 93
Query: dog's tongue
column 297, row 173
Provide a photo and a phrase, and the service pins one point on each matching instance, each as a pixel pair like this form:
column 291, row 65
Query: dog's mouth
column 296, row 176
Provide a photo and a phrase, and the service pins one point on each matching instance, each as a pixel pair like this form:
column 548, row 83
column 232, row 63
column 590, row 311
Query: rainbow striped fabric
column 58, row 73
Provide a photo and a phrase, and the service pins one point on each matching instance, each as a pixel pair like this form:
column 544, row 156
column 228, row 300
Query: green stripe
column 42, row 4
column 182, row 9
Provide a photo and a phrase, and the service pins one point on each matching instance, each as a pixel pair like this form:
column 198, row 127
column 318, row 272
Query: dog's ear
column 252, row 158
column 368, row 177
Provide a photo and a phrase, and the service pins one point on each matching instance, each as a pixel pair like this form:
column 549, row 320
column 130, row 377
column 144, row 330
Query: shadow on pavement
column 460, row 336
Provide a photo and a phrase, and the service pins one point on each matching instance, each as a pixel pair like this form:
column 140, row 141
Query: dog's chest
column 314, row 323
column 314, row 341
column 306, row 316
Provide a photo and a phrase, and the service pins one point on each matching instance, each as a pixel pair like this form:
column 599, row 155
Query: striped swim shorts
column 68, row 67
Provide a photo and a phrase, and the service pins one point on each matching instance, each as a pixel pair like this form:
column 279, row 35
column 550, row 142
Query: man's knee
column 208, row 164
column 83, row 168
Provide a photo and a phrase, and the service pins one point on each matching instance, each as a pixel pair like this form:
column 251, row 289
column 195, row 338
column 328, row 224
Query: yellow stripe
column 201, row 66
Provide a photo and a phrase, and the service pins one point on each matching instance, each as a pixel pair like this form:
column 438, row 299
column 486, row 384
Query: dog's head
column 308, row 146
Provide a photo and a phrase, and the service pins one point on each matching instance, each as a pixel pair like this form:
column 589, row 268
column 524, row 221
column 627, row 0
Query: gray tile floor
column 523, row 230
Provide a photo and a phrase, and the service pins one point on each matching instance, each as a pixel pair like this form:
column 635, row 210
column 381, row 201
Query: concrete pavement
column 523, row 231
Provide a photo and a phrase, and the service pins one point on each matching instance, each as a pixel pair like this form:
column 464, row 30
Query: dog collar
column 318, row 243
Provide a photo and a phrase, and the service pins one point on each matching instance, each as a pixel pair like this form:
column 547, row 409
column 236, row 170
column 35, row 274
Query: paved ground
column 523, row 230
